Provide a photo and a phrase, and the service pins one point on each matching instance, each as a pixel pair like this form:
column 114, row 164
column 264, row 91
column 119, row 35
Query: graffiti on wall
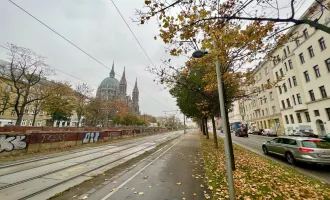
column 53, row 137
column 9, row 143
column 91, row 137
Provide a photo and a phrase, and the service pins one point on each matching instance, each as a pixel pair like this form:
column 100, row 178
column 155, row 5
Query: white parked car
column 268, row 132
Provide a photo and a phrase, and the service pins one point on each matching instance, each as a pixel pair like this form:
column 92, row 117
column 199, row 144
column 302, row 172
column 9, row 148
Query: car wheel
column 289, row 157
column 264, row 149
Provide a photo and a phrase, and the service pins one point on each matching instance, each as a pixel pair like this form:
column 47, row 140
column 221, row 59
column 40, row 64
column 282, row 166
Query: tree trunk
column 203, row 126
column 207, row 129
column 19, row 119
column 215, row 137
column 34, row 118
column 230, row 142
column 79, row 118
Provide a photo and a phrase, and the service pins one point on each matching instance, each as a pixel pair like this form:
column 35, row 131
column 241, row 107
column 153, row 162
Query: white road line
column 137, row 173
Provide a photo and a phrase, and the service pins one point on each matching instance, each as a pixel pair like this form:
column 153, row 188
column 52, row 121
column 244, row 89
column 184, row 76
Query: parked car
column 241, row 133
column 309, row 150
column 257, row 132
column 326, row 137
column 304, row 134
column 269, row 132
column 250, row 131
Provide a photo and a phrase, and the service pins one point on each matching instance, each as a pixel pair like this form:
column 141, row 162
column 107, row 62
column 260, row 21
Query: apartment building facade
column 262, row 109
column 303, row 69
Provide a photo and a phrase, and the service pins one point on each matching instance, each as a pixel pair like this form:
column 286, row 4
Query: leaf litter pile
column 257, row 177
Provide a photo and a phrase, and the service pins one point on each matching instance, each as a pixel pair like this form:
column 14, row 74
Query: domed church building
column 111, row 89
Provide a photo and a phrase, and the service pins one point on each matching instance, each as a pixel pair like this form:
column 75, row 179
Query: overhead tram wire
column 80, row 49
column 60, row 71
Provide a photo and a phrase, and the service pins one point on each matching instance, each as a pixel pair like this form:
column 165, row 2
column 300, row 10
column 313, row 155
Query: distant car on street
column 250, row 131
column 257, row 132
column 269, row 132
column 302, row 149
column 241, row 133
column 304, row 134
column 326, row 137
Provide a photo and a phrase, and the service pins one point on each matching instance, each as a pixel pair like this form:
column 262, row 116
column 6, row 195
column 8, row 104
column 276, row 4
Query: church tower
column 123, row 86
column 136, row 99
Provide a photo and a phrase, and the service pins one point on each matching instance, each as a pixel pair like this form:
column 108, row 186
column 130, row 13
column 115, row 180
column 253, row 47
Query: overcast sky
column 96, row 27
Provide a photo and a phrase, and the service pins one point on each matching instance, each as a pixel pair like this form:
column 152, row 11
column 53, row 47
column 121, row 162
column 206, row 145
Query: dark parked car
column 257, row 132
column 241, row 133
column 309, row 150
column 326, row 137
column 304, row 134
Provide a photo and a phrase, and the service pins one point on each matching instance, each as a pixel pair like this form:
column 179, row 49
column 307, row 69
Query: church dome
column 109, row 83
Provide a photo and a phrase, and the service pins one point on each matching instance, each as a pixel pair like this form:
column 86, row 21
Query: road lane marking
column 137, row 173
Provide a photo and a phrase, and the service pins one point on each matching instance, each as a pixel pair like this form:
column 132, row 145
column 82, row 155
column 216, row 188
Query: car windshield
column 321, row 144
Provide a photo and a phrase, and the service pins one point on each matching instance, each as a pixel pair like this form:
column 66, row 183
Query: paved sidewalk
column 175, row 173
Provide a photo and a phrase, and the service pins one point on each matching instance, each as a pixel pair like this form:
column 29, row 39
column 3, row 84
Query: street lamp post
column 200, row 54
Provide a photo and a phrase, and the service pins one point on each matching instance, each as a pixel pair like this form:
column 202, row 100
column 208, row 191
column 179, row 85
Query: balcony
column 300, row 107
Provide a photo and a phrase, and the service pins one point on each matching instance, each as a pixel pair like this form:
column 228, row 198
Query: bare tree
column 25, row 70
column 83, row 93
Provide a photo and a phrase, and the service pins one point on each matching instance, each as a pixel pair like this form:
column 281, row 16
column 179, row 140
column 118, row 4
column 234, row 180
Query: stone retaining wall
column 31, row 140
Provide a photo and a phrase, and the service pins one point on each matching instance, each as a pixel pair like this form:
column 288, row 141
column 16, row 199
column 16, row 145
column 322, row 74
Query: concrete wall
column 25, row 140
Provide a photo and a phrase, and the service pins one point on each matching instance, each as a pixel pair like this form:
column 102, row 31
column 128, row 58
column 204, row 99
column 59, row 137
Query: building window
column 266, row 70
column 292, row 120
column 290, row 64
column 284, row 87
column 265, row 124
column 294, row 80
column 327, row 63
column 317, row 71
column 288, row 48
column 283, row 104
column 9, row 88
column 2, row 113
column 322, row 44
column 305, row 32
column 280, row 89
column 317, row 113
column 327, row 110
column 267, row 112
column 311, row 94
column 294, row 100
column 286, row 119
column 323, row 92
column 23, row 123
column 302, row 59
column 297, row 42
column 289, row 80
column 39, row 123
column 268, row 83
column 308, row 118
column 271, row 96
column 306, row 76
column 13, row 113
column 299, row 118
column 285, row 54
column 276, row 74
column 263, row 113
column 299, row 99
column 311, row 51
column 30, row 123
column 286, row 67
column 274, row 109
column 281, row 72
column 288, row 102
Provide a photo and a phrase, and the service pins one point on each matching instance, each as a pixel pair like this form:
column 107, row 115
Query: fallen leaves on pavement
column 257, row 177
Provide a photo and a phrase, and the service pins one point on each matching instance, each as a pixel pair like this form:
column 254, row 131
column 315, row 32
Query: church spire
column 112, row 73
column 123, row 78
column 136, row 89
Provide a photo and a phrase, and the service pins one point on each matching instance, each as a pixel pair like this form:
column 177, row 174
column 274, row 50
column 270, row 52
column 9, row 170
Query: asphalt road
column 41, row 178
column 254, row 143
column 173, row 173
